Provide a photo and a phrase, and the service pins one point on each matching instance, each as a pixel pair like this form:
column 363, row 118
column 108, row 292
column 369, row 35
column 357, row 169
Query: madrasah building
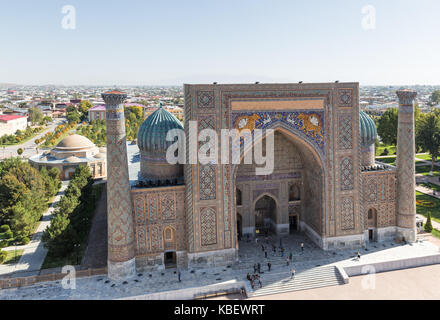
column 325, row 182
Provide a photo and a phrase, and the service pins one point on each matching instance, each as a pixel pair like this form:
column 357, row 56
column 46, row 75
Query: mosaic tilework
column 208, row 226
column 205, row 99
column 347, row 213
column 207, row 182
column 345, row 138
column 167, row 206
column 310, row 124
column 347, row 177
column 345, row 97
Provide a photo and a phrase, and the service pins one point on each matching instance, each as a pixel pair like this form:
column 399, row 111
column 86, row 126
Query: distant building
column 71, row 152
column 9, row 124
column 97, row 113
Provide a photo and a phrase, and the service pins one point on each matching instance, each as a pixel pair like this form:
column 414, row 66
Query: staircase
column 279, row 282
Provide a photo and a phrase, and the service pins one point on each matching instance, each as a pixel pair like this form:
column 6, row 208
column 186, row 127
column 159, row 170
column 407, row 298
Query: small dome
column 74, row 141
column 153, row 131
column 100, row 155
column 367, row 129
column 72, row 159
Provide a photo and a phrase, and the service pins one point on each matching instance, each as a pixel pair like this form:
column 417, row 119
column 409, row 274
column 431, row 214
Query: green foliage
column 19, row 136
column 35, row 115
column 428, row 135
column 387, row 126
column 24, row 193
column 4, row 243
column 5, row 228
column 73, row 117
column 73, row 215
column 435, row 98
column 3, row 255
column 25, row 240
column 428, row 224
column 20, row 151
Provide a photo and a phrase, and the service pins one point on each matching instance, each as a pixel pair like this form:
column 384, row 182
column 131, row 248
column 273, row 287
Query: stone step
column 307, row 279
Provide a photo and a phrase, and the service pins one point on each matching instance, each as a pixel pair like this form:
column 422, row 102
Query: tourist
column 178, row 275
column 274, row 248
column 243, row 293
column 259, row 267
column 287, row 261
column 290, row 256
column 292, row 273
column 248, row 277
column 256, row 241
column 259, row 282
column 255, row 268
column 262, row 247
column 302, row 246
column 252, row 283
column 269, row 265
column 265, row 254
column 282, row 251
column 359, row 255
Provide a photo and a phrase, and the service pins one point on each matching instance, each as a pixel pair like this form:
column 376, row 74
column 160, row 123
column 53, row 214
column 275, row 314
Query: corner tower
column 406, row 198
column 121, row 250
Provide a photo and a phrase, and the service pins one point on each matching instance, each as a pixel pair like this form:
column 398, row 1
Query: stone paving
column 100, row 287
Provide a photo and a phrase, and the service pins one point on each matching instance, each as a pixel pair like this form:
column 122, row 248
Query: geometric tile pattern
column 345, row 97
column 347, row 176
column 347, row 213
column 207, row 181
column 205, row 99
column 345, row 138
column 208, row 226
column 167, row 206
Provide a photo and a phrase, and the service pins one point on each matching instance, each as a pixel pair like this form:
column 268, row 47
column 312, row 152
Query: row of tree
column 20, row 135
column 427, row 130
column 24, row 195
column 72, row 218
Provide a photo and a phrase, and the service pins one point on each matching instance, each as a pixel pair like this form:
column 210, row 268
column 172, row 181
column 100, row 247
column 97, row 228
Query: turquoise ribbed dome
column 368, row 129
column 153, row 131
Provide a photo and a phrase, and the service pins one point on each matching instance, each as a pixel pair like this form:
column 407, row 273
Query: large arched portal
column 294, row 190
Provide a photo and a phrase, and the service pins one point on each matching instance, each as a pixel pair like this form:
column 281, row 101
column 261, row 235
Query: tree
column 84, row 106
column 387, row 127
column 428, row 135
column 73, row 116
column 35, row 115
column 20, row 151
column 435, row 98
column 428, row 224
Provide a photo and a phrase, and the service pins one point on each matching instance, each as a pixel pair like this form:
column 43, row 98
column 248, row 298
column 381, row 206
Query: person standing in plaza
column 359, row 255
column 282, row 251
column 259, row 267
column 287, row 261
column 290, row 256
column 269, row 265
column 265, row 254
column 292, row 272
column 179, row 275
column 302, row 246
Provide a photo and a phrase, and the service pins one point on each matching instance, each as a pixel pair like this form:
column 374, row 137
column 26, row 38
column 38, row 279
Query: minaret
column 406, row 197
column 121, row 250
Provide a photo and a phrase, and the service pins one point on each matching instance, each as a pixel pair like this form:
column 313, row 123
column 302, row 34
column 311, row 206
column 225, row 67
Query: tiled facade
column 318, row 184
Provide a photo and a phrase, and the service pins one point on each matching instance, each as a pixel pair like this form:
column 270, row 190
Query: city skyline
column 197, row 42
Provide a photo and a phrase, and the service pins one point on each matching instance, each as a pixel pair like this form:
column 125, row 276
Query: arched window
column 238, row 195
column 294, row 193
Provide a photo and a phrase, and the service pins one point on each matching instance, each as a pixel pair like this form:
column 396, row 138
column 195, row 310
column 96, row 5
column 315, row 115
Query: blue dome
column 153, row 131
column 368, row 129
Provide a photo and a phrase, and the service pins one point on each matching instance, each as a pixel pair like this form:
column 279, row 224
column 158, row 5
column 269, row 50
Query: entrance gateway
column 324, row 174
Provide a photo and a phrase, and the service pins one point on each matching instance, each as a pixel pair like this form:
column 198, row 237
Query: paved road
column 34, row 252
column 29, row 147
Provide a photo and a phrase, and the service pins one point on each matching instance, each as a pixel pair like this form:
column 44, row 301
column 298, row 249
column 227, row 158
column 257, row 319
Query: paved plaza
column 250, row 253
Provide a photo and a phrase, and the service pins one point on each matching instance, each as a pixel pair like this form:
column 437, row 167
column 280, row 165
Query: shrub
column 3, row 255
column 428, row 224
column 8, row 235
column 4, row 243
column 25, row 240
column 385, row 152
column 5, row 228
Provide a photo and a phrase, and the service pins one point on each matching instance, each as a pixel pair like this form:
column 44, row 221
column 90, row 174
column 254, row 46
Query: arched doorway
column 297, row 181
column 169, row 239
column 239, row 226
column 372, row 224
column 265, row 214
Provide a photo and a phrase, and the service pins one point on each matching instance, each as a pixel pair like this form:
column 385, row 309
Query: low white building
column 9, row 124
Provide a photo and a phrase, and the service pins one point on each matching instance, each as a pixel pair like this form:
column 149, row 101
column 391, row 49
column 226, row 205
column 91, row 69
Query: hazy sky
column 183, row 41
